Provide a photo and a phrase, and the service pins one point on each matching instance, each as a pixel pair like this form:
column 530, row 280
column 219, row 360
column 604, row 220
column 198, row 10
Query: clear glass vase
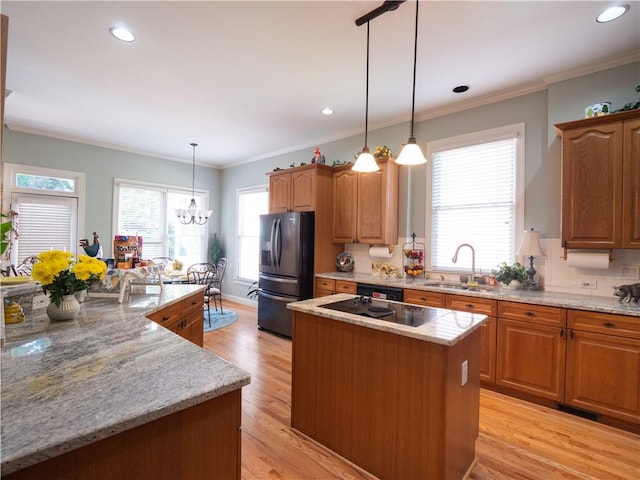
column 68, row 309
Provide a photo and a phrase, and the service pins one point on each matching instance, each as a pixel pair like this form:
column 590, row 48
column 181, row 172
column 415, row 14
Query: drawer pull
column 469, row 305
column 571, row 333
column 561, row 332
column 609, row 325
column 194, row 303
column 164, row 319
column 530, row 314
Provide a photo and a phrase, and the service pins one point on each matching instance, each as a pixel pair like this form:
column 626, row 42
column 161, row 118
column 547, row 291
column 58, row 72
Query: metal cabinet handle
column 470, row 305
column 609, row 324
column 561, row 332
column 530, row 314
column 571, row 333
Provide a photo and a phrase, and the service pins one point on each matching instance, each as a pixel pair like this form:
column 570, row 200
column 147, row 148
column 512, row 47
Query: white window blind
column 474, row 192
column 251, row 203
column 149, row 211
column 45, row 222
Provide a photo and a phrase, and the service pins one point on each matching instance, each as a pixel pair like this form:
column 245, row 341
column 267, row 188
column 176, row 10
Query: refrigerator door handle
column 278, row 242
column 277, row 297
column 272, row 239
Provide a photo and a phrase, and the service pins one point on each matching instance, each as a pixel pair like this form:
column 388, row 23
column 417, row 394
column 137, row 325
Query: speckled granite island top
column 447, row 327
column 552, row 299
column 67, row 384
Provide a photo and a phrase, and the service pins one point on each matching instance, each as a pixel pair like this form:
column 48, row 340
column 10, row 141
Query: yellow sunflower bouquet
column 60, row 274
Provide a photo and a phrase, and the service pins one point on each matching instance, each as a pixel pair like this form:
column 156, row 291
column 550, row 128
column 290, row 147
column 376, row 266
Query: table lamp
column 530, row 247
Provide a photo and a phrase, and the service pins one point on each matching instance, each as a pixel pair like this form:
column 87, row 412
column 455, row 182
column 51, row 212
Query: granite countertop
column 552, row 299
column 447, row 328
column 68, row 384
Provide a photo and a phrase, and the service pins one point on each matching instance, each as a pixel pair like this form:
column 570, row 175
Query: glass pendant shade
column 365, row 162
column 411, row 154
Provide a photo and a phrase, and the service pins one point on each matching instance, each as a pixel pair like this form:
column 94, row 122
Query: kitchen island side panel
column 391, row 404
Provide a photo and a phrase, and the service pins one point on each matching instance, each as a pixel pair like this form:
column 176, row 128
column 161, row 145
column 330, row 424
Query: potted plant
column 510, row 276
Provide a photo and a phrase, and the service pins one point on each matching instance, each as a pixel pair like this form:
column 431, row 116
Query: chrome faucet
column 473, row 259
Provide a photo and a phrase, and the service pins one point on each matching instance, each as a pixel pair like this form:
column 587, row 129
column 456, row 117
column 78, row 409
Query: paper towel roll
column 596, row 260
column 384, row 251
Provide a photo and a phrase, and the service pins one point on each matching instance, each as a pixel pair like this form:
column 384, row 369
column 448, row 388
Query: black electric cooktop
column 400, row 313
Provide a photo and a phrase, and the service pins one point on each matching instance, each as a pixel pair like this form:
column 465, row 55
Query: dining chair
column 202, row 274
column 215, row 289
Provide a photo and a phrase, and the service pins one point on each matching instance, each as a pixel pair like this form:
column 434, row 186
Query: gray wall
column 562, row 101
column 101, row 166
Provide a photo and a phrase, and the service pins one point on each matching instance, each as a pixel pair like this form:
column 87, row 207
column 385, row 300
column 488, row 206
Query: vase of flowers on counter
column 61, row 276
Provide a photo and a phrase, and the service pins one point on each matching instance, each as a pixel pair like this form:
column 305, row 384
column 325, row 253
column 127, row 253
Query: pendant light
column 411, row 153
column 193, row 215
column 365, row 161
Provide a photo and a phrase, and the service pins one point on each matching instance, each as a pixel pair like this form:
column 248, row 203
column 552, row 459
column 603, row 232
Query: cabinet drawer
column 606, row 323
column 343, row 286
column 191, row 304
column 472, row 304
column 167, row 316
column 539, row 314
column 422, row 297
column 325, row 284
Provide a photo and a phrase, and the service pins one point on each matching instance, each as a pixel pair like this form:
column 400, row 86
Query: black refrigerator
column 286, row 267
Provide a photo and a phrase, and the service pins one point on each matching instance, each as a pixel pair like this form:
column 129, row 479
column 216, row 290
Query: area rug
column 219, row 319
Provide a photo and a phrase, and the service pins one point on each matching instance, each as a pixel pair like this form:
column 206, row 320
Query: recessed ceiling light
column 460, row 89
column 122, row 33
column 327, row 111
column 612, row 13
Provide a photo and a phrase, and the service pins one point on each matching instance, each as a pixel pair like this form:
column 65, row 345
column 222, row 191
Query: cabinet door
column 279, row 193
column 602, row 374
column 345, row 204
column 303, row 191
column 371, row 207
column 191, row 328
column 592, row 186
column 531, row 358
column 631, row 189
column 345, row 286
column 488, row 351
column 423, row 297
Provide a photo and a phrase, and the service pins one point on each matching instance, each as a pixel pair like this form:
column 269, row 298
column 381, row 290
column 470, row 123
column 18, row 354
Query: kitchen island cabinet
column 115, row 395
column 184, row 317
column 391, row 398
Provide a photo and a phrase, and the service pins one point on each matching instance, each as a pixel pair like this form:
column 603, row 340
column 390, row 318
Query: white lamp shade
column 411, row 155
column 530, row 246
column 365, row 163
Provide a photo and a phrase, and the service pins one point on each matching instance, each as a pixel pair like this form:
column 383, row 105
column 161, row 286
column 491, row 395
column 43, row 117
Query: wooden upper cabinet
column 599, row 181
column 631, row 186
column 366, row 205
column 293, row 190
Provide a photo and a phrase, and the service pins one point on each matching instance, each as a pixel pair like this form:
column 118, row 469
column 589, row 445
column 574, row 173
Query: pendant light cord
column 193, row 172
column 415, row 58
column 366, row 107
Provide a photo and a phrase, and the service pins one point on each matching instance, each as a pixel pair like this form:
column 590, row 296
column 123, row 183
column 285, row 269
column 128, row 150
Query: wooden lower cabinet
column 422, row 297
column 488, row 339
column 201, row 442
column 603, row 369
column 184, row 318
column 324, row 287
column 531, row 349
column 344, row 286
column 391, row 404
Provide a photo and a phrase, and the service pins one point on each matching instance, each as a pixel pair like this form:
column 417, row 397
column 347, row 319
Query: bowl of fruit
column 413, row 270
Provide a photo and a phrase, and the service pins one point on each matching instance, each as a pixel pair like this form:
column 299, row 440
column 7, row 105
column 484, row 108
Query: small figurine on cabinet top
column 317, row 156
column 93, row 250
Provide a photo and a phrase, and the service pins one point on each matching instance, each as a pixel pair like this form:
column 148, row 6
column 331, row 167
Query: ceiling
column 247, row 80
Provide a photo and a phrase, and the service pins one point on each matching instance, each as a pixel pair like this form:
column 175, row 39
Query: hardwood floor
column 518, row 440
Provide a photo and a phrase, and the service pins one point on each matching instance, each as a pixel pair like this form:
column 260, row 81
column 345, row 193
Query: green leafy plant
column 506, row 273
column 5, row 230
column 382, row 151
column 631, row 105
column 216, row 249
column 252, row 293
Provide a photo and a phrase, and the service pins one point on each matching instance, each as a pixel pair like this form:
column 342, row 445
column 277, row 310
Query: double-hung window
column 474, row 196
column 251, row 203
column 148, row 210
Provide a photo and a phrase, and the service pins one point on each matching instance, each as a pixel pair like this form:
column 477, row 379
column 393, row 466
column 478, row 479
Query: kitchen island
column 113, row 394
column 399, row 401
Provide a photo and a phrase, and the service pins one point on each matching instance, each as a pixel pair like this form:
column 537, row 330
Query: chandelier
column 193, row 215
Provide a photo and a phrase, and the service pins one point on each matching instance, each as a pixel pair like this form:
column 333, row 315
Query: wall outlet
column 629, row 271
column 465, row 372
column 40, row 301
column 585, row 283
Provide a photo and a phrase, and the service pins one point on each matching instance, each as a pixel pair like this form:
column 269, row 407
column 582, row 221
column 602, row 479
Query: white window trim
column 155, row 186
column 244, row 190
column 10, row 170
column 484, row 136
